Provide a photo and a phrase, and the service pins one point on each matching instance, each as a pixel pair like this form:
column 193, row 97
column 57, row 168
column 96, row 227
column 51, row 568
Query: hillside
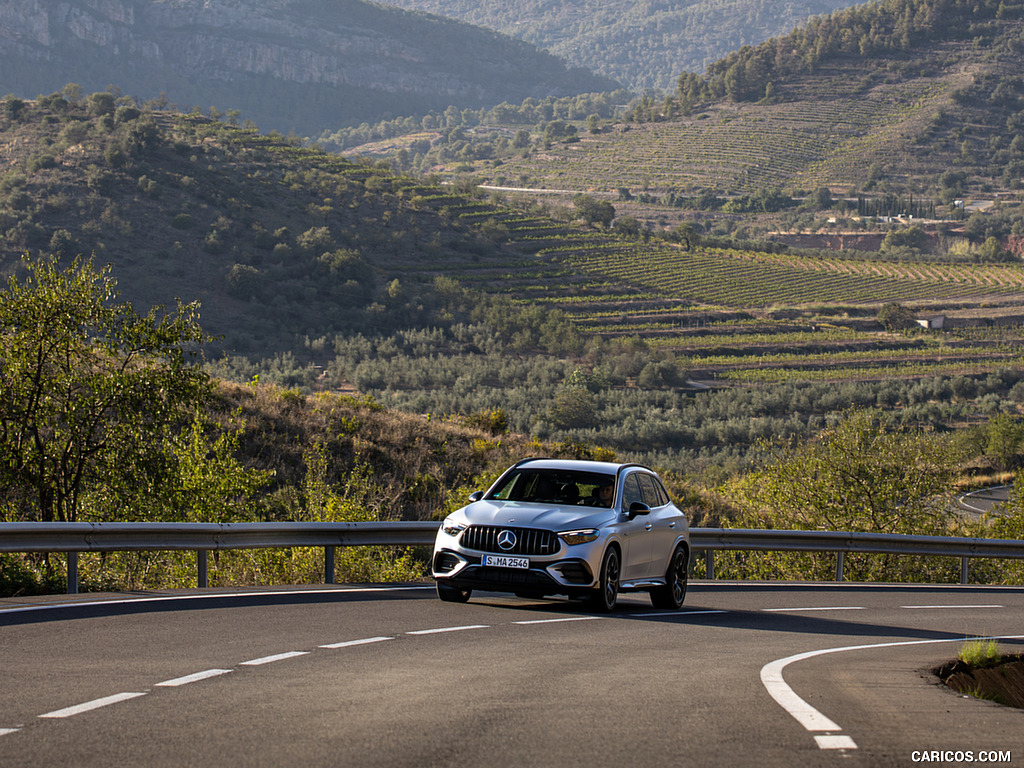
column 859, row 103
column 322, row 273
column 640, row 43
column 307, row 65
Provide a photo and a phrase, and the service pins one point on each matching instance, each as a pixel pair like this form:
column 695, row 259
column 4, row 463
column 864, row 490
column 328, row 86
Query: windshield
column 556, row 486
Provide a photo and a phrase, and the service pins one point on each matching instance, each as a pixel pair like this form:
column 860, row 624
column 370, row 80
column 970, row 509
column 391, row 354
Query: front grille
column 529, row 541
column 516, row 578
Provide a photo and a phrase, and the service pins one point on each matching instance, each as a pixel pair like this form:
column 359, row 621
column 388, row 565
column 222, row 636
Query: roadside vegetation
column 215, row 451
column 982, row 671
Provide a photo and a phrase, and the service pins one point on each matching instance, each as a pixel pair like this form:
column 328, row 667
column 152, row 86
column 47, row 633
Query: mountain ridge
column 642, row 43
column 284, row 64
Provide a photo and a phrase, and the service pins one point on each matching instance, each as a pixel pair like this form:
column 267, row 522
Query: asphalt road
column 746, row 674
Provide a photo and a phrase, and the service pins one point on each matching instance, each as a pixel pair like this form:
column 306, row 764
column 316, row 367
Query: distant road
column 746, row 674
column 534, row 191
column 985, row 499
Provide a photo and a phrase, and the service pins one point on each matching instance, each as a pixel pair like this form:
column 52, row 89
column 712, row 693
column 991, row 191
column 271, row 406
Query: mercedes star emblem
column 507, row 540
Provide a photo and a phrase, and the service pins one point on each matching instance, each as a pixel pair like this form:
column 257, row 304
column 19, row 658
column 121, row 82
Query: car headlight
column 452, row 527
column 582, row 536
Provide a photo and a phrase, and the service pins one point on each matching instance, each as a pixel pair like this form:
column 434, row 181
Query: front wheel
column 603, row 599
column 671, row 596
column 453, row 594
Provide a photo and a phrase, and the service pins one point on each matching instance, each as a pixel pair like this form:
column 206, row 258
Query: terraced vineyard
column 955, row 277
column 798, row 144
column 738, row 279
column 743, row 316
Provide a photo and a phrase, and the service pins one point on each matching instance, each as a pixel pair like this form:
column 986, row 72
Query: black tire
column 604, row 597
column 453, row 594
column 671, row 596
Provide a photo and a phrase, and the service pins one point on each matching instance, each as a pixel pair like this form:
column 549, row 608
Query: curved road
column 765, row 674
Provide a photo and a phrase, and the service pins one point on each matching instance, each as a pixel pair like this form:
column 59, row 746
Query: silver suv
column 586, row 529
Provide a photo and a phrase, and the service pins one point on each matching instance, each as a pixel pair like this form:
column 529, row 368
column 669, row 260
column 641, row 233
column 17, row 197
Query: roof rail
column 630, row 466
column 529, row 458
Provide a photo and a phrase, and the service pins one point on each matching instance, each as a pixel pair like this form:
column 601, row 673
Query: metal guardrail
column 711, row 539
column 203, row 537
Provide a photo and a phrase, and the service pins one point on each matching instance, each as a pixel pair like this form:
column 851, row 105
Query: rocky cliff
column 304, row 64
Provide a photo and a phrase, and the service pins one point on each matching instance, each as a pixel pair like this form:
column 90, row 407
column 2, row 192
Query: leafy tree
column 101, row 103
column 209, row 484
column 822, row 198
column 89, row 389
column 896, row 317
column 856, row 476
column 594, row 211
column 1005, row 440
column 13, row 107
column 574, row 404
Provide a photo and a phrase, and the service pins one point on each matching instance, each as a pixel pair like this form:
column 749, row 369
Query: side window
column 649, row 488
column 665, row 498
column 631, row 491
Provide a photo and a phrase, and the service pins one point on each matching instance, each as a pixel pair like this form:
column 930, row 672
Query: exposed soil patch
column 1002, row 683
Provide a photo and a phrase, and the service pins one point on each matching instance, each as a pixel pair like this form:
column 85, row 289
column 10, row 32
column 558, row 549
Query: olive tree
column 857, row 476
column 90, row 390
column 594, row 211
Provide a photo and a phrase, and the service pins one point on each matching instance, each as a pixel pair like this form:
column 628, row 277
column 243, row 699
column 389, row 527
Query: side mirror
column 476, row 495
column 638, row 508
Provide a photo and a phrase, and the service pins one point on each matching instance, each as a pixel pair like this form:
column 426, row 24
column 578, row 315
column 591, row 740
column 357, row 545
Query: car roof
column 581, row 465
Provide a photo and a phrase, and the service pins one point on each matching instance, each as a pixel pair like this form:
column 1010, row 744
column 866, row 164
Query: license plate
column 504, row 561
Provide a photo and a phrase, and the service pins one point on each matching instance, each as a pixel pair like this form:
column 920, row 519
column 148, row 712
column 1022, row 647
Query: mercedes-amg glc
column 586, row 529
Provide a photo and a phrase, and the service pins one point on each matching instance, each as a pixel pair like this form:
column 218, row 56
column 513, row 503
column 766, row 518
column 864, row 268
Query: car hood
column 520, row 514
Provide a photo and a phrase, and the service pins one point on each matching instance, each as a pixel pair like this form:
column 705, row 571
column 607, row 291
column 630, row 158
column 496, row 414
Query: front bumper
column 567, row 576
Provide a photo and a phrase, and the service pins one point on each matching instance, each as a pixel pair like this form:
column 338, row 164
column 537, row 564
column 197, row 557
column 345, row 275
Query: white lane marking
column 364, row 641
column 193, row 678
column 558, row 621
column 448, row 629
column 922, row 607
column 271, row 659
column 805, row 714
column 822, row 608
column 210, row 596
column 810, row 718
column 5, row 731
column 91, row 705
column 835, row 741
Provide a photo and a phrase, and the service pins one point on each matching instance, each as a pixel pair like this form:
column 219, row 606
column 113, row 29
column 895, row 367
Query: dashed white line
column 91, row 705
column 349, row 643
column 822, row 608
column 447, row 629
column 194, row 678
column 271, row 659
column 835, row 741
column 5, row 731
column 557, row 621
column 939, row 607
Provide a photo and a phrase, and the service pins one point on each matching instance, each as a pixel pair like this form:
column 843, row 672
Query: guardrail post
column 963, row 570
column 840, row 559
column 709, row 563
column 72, row 573
column 328, row 565
column 202, row 567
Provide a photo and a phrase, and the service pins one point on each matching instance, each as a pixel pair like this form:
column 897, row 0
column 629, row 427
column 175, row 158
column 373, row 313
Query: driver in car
column 602, row 495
